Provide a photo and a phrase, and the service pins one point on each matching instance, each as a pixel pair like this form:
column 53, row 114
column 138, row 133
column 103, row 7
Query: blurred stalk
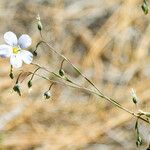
column 75, row 85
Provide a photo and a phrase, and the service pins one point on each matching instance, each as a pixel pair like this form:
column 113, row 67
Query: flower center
column 16, row 50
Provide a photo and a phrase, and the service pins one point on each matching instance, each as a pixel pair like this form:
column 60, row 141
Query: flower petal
column 10, row 38
column 16, row 61
column 24, row 41
column 26, row 56
column 5, row 50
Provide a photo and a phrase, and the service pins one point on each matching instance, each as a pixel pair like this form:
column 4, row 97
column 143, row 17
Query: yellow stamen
column 16, row 50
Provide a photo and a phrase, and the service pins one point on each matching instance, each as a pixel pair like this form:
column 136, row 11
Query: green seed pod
column 148, row 114
column 61, row 72
column 29, row 84
column 47, row 94
column 11, row 75
column 134, row 97
column 141, row 112
column 16, row 88
column 145, row 7
column 35, row 53
column 40, row 26
column 134, row 100
column 139, row 141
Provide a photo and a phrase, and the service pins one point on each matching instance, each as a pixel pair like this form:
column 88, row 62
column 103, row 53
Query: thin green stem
column 68, row 60
column 95, row 93
column 100, row 94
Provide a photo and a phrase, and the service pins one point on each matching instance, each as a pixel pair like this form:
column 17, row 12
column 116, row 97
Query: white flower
column 15, row 49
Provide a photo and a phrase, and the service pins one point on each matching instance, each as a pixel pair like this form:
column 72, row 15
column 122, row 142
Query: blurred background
column 109, row 40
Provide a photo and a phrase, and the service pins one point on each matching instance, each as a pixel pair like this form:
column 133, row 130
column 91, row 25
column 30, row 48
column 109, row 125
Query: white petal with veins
column 16, row 61
column 10, row 38
column 26, row 56
column 24, row 41
column 5, row 50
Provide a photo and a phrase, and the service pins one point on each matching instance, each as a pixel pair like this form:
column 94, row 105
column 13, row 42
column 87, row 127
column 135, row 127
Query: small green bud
column 61, row 72
column 11, row 75
column 29, row 84
column 47, row 94
column 138, row 138
column 134, row 97
column 134, row 100
column 139, row 141
column 35, row 53
column 16, row 88
column 145, row 7
column 147, row 114
column 40, row 27
column 136, row 125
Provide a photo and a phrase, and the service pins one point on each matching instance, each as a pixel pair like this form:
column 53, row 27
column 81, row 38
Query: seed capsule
column 16, row 88
column 11, row 75
column 40, row 26
column 145, row 7
column 47, row 94
column 29, row 84
column 61, row 72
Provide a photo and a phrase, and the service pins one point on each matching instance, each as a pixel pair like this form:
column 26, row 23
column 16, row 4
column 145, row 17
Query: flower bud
column 61, row 72
column 35, row 53
column 40, row 27
column 139, row 141
column 47, row 94
column 16, row 88
column 134, row 97
column 134, row 100
column 29, row 84
column 147, row 114
column 145, row 7
column 11, row 75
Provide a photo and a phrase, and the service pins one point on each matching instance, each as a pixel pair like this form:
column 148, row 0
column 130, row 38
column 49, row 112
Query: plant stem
column 74, row 85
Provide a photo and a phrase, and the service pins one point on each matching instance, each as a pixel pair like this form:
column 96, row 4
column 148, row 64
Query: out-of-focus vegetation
column 109, row 41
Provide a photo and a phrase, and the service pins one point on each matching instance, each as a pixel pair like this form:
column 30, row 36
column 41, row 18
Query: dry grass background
column 109, row 40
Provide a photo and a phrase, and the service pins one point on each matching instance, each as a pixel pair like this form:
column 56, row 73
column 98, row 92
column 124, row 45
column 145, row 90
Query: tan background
column 109, row 40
